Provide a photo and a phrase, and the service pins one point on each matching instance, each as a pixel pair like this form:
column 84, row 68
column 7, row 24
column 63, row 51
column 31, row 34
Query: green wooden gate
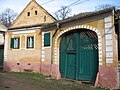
column 1, row 55
column 79, row 55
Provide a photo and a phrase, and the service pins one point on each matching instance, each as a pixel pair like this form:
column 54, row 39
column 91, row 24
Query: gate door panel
column 71, row 65
column 68, row 56
column 88, row 52
column 79, row 55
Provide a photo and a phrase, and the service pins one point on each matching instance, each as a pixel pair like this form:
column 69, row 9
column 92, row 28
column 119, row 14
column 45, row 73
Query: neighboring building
column 3, row 29
column 83, row 47
column 23, row 41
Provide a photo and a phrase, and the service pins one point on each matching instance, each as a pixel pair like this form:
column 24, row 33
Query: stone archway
column 56, row 48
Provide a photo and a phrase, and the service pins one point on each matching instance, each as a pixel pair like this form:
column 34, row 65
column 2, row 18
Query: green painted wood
column 33, row 42
column 18, row 42
column 79, row 55
column 71, row 66
column 47, row 39
column 12, row 43
column 62, row 64
column 68, row 56
column 1, row 55
column 88, row 53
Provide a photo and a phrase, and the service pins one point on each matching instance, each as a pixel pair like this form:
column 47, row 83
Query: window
column 30, row 42
column 28, row 14
column 47, row 39
column 35, row 12
column 15, row 43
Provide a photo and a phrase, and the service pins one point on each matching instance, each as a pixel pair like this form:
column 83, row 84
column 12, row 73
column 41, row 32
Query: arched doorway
column 79, row 55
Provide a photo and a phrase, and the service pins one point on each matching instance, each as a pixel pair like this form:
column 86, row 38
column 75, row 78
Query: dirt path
column 14, row 83
column 35, row 81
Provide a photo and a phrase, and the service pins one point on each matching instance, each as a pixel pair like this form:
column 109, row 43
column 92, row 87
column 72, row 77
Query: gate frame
column 56, row 45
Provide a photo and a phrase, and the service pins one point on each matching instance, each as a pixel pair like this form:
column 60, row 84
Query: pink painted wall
column 107, row 76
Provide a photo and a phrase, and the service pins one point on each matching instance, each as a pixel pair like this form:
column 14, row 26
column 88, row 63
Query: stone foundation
column 48, row 69
column 22, row 67
column 107, row 77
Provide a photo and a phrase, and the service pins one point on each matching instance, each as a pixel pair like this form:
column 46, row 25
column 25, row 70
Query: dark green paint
column 79, row 55
column 12, row 43
column 1, row 55
column 47, row 39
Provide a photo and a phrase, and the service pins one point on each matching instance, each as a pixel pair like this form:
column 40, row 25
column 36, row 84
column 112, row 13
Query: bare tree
column 7, row 17
column 63, row 13
column 104, row 6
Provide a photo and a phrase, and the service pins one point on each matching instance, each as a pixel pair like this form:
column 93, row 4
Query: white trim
column 43, row 49
column 6, row 47
column 24, row 32
column 24, row 29
column 26, row 42
column 34, row 41
column 108, row 19
column 20, row 41
column 56, row 49
column 109, row 40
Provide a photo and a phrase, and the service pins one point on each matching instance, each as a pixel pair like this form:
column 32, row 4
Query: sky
column 53, row 5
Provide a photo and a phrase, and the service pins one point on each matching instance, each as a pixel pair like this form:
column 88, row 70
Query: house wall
column 24, row 59
column 42, row 16
column 107, row 39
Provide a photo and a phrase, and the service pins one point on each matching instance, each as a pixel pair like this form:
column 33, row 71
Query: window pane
column 47, row 39
column 15, row 43
column 30, row 42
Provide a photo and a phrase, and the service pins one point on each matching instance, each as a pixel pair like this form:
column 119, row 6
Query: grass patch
column 52, row 84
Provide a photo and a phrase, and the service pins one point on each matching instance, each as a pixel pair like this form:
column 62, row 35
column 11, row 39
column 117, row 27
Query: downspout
column 58, row 27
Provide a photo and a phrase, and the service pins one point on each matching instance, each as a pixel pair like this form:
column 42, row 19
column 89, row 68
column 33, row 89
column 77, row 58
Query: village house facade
column 83, row 47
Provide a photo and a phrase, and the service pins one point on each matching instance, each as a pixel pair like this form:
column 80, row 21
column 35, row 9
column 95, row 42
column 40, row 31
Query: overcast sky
column 54, row 5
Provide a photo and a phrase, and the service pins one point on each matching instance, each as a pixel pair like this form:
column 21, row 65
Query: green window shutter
column 47, row 39
column 12, row 43
column 27, row 41
column 18, row 42
column 32, row 42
